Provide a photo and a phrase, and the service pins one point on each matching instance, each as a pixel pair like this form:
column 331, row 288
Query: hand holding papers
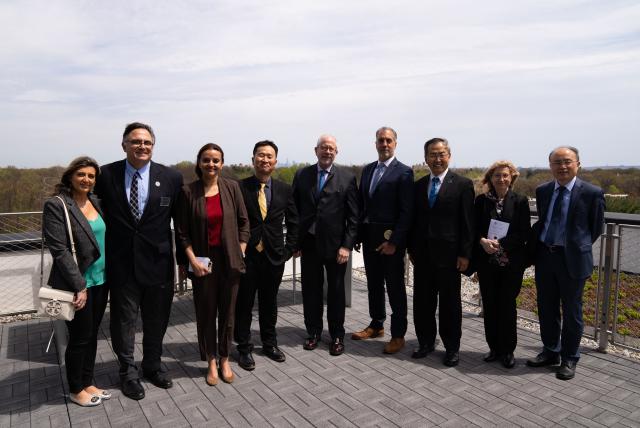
column 205, row 263
column 497, row 229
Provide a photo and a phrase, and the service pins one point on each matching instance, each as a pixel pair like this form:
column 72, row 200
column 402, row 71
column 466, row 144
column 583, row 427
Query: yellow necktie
column 262, row 202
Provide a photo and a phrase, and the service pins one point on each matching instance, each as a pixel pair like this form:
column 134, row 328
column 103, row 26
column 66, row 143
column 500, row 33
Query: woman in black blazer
column 501, row 259
column 86, row 278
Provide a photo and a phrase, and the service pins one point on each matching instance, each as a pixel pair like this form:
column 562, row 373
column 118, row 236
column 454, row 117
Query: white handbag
column 58, row 304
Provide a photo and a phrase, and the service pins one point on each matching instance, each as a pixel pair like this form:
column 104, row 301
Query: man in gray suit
column 570, row 219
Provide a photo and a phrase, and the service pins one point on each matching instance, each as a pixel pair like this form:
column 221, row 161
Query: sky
column 500, row 79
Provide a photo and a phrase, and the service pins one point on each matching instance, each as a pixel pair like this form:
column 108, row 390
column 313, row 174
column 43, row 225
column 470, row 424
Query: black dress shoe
column 422, row 351
column 274, row 353
column 451, row 359
column 311, row 343
column 508, row 360
column 246, row 361
column 159, row 379
column 567, row 370
column 490, row 356
column 337, row 347
column 543, row 359
column 133, row 389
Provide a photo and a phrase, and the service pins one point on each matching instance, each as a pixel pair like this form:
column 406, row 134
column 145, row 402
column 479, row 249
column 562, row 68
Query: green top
column 95, row 272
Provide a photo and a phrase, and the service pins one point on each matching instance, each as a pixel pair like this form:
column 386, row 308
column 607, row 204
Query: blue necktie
column 433, row 193
column 377, row 175
column 555, row 232
column 321, row 180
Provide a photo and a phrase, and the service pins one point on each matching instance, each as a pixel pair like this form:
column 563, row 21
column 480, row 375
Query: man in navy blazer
column 326, row 196
column 138, row 198
column 440, row 248
column 386, row 190
column 270, row 204
column 570, row 219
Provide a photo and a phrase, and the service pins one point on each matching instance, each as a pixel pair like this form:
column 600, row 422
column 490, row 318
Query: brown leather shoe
column 394, row 345
column 368, row 333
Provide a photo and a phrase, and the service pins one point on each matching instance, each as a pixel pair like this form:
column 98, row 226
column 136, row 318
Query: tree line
column 25, row 189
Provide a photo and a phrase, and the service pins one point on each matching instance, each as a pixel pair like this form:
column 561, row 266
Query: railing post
column 605, row 301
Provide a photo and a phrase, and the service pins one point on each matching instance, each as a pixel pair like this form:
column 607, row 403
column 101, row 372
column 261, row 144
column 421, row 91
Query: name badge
column 165, row 201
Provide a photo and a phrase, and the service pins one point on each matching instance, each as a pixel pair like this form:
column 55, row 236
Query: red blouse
column 214, row 220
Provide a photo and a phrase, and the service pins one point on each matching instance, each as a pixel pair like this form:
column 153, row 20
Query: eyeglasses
column 440, row 155
column 139, row 143
column 562, row 162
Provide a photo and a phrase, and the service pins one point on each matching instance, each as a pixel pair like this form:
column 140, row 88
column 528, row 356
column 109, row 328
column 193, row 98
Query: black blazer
column 585, row 220
column 143, row 249
column 65, row 273
column 446, row 231
column 282, row 210
column 392, row 201
column 335, row 210
column 516, row 212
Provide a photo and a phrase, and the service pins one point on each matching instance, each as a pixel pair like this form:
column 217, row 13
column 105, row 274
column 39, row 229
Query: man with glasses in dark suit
column 138, row 198
column 326, row 196
column 570, row 219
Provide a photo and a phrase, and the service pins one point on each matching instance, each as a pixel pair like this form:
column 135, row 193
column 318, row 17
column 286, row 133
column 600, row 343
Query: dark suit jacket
column 585, row 220
column 516, row 212
column 143, row 249
column 282, row 210
column 335, row 210
column 392, row 201
column 65, row 273
column 446, row 231
column 191, row 224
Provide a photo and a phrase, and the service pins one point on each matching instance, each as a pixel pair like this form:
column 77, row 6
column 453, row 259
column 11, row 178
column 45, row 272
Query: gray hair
column 326, row 137
column 386, row 128
column 570, row 148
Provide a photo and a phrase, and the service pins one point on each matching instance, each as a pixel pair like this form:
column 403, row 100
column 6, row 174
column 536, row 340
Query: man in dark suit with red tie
column 326, row 196
column 270, row 204
column 386, row 192
column 440, row 249
column 139, row 199
column 570, row 219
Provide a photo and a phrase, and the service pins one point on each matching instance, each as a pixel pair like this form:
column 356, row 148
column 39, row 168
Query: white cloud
column 484, row 74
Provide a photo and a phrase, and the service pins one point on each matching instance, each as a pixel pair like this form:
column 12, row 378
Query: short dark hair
column 137, row 125
column 64, row 186
column 437, row 140
column 208, row 146
column 571, row 148
column 265, row 143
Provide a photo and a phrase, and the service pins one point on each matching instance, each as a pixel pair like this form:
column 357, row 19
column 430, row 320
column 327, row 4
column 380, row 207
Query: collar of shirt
column 441, row 177
column 326, row 169
column 130, row 170
column 143, row 183
column 387, row 162
column 568, row 186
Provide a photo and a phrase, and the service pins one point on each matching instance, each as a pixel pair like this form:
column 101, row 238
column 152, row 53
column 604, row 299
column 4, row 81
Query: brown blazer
column 191, row 227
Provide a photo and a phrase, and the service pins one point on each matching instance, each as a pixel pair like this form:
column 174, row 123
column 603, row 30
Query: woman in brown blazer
column 212, row 222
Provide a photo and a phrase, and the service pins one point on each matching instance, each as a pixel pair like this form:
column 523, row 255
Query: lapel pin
column 157, row 184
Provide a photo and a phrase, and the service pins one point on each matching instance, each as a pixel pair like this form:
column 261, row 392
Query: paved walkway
column 363, row 387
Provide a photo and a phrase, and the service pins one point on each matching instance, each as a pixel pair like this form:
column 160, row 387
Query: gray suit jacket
column 65, row 273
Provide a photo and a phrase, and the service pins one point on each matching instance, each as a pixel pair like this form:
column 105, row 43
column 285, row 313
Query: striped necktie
column 134, row 203
column 262, row 203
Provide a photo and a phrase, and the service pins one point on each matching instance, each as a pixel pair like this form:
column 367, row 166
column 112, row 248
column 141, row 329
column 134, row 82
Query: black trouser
column 80, row 356
column 313, row 266
column 154, row 302
column 560, row 331
column 499, row 287
column 431, row 283
column 264, row 278
column 381, row 269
